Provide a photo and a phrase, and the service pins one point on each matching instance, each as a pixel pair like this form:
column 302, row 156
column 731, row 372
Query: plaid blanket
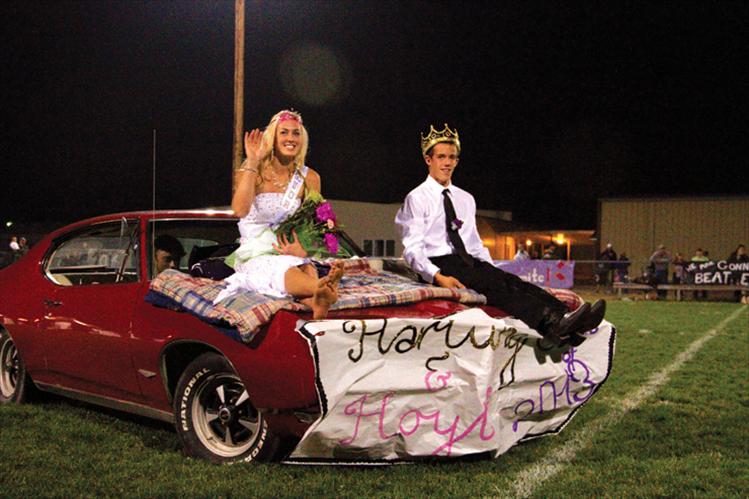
column 242, row 315
column 361, row 287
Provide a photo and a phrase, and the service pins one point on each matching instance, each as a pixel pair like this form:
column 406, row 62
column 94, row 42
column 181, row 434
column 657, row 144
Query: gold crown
column 436, row 137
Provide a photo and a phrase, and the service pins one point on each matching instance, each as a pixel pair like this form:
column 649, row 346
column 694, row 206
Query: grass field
column 672, row 420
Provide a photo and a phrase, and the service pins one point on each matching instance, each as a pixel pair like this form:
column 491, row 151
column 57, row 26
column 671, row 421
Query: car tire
column 16, row 386
column 215, row 418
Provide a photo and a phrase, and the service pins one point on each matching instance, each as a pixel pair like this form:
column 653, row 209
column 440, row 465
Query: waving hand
column 254, row 148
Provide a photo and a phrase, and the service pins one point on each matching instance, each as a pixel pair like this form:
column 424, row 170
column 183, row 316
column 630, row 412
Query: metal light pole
column 238, row 89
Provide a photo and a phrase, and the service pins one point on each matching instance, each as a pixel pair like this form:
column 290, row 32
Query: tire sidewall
column 200, row 371
column 23, row 384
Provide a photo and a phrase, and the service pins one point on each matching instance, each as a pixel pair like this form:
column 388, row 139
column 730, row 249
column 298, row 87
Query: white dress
column 258, row 268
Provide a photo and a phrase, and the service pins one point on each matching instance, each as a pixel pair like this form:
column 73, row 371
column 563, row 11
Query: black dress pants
column 519, row 298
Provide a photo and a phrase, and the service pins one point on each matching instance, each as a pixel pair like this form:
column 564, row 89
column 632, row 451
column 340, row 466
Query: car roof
column 218, row 213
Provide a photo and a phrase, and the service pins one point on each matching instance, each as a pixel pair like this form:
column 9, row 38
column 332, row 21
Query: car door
column 87, row 328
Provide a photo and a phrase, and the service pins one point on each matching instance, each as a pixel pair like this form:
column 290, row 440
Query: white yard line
column 530, row 479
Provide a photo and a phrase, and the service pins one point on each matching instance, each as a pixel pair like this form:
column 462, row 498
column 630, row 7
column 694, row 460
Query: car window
column 198, row 237
column 105, row 253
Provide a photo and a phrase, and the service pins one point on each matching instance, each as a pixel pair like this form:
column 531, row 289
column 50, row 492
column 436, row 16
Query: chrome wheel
column 224, row 419
column 215, row 418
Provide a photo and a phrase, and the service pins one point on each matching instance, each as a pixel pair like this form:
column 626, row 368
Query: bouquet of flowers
column 315, row 225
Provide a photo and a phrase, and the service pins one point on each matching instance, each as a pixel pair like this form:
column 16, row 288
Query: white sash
column 291, row 191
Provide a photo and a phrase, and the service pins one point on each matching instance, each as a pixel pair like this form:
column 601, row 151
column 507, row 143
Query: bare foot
column 336, row 272
column 326, row 293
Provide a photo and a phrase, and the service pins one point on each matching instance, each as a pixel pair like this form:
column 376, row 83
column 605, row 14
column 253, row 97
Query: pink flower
column 331, row 224
column 324, row 212
column 331, row 243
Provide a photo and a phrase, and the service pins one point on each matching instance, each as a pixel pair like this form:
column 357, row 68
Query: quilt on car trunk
column 361, row 287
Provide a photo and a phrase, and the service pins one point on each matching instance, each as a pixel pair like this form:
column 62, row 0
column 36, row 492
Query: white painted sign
column 399, row 389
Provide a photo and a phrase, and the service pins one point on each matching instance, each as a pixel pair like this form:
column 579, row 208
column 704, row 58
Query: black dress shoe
column 575, row 340
column 593, row 318
column 570, row 322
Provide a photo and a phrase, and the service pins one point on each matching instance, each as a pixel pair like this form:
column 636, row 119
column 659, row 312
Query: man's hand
column 445, row 281
column 284, row 247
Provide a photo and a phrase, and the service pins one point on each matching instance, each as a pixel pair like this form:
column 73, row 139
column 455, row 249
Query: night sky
column 557, row 104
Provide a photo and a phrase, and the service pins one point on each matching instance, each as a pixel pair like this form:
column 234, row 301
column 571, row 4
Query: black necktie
column 452, row 228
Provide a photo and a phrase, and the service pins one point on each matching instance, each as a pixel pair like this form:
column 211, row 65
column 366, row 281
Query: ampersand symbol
column 441, row 379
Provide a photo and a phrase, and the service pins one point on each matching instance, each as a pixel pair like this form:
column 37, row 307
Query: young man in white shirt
column 437, row 224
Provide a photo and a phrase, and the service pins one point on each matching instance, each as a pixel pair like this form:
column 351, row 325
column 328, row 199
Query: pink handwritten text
column 414, row 420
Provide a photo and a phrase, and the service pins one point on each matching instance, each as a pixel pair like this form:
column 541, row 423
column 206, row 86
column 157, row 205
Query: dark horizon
column 557, row 105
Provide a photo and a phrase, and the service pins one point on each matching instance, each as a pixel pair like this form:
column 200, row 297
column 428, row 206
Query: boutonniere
column 456, row 224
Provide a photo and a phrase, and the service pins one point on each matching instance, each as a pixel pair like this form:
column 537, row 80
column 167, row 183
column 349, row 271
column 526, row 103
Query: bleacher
column 677, row 289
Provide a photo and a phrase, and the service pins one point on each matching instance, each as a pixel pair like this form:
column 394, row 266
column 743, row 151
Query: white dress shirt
column 423, row 231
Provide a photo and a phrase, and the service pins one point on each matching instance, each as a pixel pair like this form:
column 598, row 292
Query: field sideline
column 672, row 420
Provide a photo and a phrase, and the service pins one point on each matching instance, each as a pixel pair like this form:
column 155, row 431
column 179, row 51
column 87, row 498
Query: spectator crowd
column 17, row 247
column 657, row 270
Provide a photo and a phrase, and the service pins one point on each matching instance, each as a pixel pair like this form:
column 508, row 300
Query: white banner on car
column 400, row 389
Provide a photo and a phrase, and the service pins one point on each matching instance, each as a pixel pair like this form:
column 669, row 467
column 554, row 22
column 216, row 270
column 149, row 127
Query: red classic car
column 74, row 321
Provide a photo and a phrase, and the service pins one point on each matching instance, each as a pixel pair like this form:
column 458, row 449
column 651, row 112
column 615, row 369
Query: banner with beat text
column 718, row 272
column 403, row 389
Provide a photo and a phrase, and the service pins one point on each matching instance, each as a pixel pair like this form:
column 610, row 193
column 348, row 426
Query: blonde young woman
column 271, row 184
